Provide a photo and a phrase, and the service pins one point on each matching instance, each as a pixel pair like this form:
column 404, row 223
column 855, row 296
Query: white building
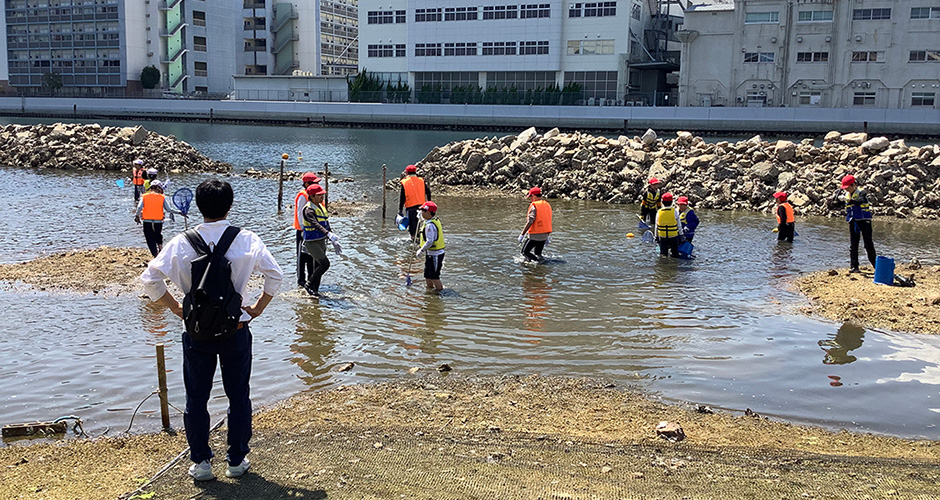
column 820, row 53
column 506, row 45
column 101, row 46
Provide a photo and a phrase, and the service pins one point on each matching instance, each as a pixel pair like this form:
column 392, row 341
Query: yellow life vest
column 439, row 242
column 651, row 200
column 666, row 224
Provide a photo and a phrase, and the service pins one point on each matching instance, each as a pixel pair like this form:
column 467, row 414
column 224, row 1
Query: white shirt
column 299, row 209
column 247, row 255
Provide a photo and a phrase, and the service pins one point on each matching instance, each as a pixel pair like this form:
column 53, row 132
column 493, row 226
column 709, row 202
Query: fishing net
column 182, row 198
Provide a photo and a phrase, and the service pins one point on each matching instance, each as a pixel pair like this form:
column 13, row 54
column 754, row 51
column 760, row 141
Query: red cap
column 315, row 189
column 667, row 197
column 410, row 169
column 780, row 195
column 430, row 206
column 683, row 200
column 536, row 191
column 654, row 181
column 847, row 181
column 310, row 177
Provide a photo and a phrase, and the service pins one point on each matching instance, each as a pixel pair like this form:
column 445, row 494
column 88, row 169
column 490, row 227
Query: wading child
column 431, row 240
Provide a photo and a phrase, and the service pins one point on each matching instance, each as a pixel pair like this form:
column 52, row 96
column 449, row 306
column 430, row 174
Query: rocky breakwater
column 903, row 180
column 96, row 147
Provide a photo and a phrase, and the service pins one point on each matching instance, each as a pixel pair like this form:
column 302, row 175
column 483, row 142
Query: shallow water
column 720, row 330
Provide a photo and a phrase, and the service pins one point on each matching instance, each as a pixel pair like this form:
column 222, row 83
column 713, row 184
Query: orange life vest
column 789, row 211
column 138, row 177
column 543, row 217
column 414, row 191
column 297, row 226
column 153, row 206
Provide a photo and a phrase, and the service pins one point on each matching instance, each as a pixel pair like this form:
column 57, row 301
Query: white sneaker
column 201, row 471
column 238, row 470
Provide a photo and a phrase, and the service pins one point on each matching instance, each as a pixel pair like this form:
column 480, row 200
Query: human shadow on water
column 252, row 485
column 849, row 338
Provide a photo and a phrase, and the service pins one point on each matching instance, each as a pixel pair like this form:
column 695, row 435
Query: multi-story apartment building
column 101, row 46
column 819, row 53
column 505, row 45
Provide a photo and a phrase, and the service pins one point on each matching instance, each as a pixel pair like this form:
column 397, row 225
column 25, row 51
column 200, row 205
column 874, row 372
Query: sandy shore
column 838, row 295
column 436, row 436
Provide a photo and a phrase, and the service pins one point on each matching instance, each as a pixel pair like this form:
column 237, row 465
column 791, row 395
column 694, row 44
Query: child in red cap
column 538, row 226
column 431, row 240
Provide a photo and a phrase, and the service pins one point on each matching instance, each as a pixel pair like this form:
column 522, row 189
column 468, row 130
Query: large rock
column 649, row 137
column 139, row 136
column 684, row 137
column 765, row 171
column 523, row 138
column 785, row 150
column 473, row 163
column 855, row 138
column 876, row 145
column 833, row 136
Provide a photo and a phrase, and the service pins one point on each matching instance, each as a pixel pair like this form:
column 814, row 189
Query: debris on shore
column 72, row 146
column 839, row 295
column 902, row 180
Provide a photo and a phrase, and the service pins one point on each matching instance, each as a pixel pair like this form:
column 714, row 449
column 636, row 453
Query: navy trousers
column 199, row 360
column 153, row 233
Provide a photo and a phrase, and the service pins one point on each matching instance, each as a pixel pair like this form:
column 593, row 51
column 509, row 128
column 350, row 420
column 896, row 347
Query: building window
column 499, row 48
column 500, row 12
column 427, row 15
column 597, row 84
column 521, row 80
column 199, row 43
column 460, row 14
column 427, row 49
column 460, row 49
column 866, row 57
column 863, row 99
column 925, row 12
column 200, row 69
column 925, row 56
column 759, row 57
column 574, row 10
column 811, row 98
column 400, row 17
column 762, row 18
column 636, row 11
column 812, row 57
column 199, row 18
column 590, row 47
column 529, row 11
column 600, row 9
column 815, row 16
column 446, row 79
column 923, row 99
column 380, row 51
column 400, row 50
column 380, row 17
column 533, row 48
column 871, row 14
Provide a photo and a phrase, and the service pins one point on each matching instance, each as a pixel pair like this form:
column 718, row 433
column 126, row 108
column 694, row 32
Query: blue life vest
column 310, row 231
column 856, row 210
column 688, row 231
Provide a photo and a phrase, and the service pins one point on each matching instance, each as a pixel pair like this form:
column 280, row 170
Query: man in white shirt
column 246, row 255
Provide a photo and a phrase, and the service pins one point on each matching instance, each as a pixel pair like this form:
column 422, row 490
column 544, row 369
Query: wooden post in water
column 161, row 379
column 326, row 181
column 383, row 193
column 280, row 183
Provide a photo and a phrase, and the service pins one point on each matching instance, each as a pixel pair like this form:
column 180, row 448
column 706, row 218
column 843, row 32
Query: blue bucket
column 884, row 271
column 685, row 250
column 402, row 222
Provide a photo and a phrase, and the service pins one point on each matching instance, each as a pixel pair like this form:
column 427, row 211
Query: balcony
column 167, row 34
column 175, row 57
column 165, row 6
column 256, row 4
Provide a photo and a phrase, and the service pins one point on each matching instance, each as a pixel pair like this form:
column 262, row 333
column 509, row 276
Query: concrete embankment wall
column 779, row 120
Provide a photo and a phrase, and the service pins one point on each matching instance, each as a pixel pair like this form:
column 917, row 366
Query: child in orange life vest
column 137, row 177
column 151, row 210
column 538, row 226
column 431, row 240
column 785, row 218
column 414, row 192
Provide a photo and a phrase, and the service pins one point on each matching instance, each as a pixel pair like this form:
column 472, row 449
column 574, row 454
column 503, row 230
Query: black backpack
column 213, row 306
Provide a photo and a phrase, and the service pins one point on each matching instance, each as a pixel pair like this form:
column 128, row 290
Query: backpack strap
column 226, row 240
column 199, row 245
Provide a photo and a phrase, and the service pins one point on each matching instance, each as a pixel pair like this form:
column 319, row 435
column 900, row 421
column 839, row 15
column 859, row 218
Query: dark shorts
column 432, row 266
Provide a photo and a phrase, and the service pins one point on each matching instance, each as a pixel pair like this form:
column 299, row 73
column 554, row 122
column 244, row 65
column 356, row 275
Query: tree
column 52, row 81
column 150, row 77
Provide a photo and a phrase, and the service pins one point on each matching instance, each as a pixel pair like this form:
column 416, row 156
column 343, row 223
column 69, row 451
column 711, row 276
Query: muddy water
column 721, row 330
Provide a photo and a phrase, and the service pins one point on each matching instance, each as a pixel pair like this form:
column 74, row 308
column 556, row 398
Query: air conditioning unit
column 149, row 54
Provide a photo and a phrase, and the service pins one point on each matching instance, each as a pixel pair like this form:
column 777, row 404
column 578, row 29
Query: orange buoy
column 629, row 235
